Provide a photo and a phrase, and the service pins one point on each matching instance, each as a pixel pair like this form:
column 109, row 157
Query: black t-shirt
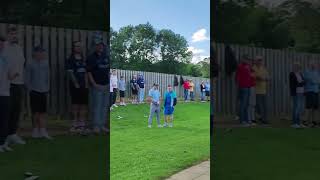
column 133, row 84
column 78, row 67
column 97, row 65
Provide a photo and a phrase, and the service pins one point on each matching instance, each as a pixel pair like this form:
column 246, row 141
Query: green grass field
column 266, row 153
column 140, row 153
column 64, row 158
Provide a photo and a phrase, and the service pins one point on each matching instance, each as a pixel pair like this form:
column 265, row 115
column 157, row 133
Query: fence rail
column 279, row 64
column 58, row 43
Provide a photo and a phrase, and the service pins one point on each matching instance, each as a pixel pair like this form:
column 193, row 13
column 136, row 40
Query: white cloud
column 200, row 35
column 196, row 59
column 195, row 51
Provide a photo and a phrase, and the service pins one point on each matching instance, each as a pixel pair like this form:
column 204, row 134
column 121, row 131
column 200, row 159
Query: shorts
column 207, row 93
column 79, row 95
column 122, row 94
column 312, row 100
column 38, row 102
column 168, row 110
column 134, row 92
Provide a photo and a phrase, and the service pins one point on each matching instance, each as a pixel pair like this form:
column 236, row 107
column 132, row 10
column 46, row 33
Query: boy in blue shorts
column 170, row 100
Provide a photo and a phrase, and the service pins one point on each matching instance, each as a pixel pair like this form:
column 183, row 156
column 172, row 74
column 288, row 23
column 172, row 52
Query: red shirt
column 186, row 85
column 244, row 76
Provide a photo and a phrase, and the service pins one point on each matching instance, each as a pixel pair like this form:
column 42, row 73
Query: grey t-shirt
column 4, row 76
column 37, row 76
column 122, row 85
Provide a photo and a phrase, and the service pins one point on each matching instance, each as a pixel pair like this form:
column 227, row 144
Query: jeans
column 114, row 96
column 203, row 94
column 192, row 95
column 262, row 107
column 244, row 104
column 16, row 95
column 141, row 94
column 4, row 118
column 186, row 94
column 99, row 104
column 154, row 109
column 252, row 105
column 297, row 108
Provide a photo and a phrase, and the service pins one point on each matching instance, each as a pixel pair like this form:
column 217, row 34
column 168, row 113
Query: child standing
column 76, row 66
column 134, row 88
column 122, row 89
column 170, row 100
column 37, row 80
column 5, row 78
column 154, row 98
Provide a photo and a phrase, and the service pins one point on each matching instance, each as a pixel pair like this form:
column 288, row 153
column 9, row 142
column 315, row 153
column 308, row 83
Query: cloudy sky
column 189, row 18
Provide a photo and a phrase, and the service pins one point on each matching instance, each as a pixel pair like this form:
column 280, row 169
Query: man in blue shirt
column 98, row 75
column 140, row 82
column 312, row 79
column 170, row 100
column 154, row 98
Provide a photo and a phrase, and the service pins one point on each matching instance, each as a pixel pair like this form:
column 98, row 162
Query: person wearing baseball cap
column 38, row 85
column 98, row 75
column 170, row 100
column 154, row 98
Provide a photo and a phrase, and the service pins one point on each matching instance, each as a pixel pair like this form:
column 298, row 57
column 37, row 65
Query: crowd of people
column 252, row 79
column 88, row 86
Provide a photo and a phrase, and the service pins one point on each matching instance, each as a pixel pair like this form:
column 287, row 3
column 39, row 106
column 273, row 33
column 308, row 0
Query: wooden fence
column 162, row 79
column 279, row 64
column 58, row 43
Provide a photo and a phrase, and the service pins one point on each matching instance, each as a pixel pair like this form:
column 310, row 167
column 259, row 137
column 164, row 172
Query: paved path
column 198, row 172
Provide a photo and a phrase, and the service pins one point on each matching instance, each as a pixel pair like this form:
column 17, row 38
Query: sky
column 189, row 18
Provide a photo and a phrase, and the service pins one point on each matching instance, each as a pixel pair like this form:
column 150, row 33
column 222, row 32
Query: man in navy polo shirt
column 140, row 82
column 98, row 72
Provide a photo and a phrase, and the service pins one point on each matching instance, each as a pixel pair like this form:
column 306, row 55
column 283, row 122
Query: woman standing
column 76, row 67
column 297, row 83
column 203, row 91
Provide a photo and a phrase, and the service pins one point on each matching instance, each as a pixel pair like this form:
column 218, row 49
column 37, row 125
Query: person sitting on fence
column 191, row 89
column 243, row 79
column 154, row 99
column 134, row 89
column 6, row 75
column 98, row 74
column 76, row 67
column 122, row 89
column 38, row 85
column 262, row 78
column 207, row 90
column 186, row 87
column 114, row 86
column 297, row 83
column 170, row 100
column 203, row 91
column 312, row 79
column 141, row 82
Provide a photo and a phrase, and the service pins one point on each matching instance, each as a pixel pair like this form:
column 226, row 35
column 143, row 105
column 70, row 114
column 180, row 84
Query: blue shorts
column 168, row 110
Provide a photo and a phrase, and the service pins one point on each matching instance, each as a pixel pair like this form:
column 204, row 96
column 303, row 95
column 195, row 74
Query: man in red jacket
column 244, row 81
column 186, row 87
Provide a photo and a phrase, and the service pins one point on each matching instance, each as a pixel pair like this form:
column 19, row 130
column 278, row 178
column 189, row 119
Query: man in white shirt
column 14, row 54
column 114, row 86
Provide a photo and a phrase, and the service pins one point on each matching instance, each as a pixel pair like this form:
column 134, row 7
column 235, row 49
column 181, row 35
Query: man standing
column 140, row 82
column 262, row 78
column 312, row 79
column 14, row 54
column 114, row 86
column 154, row 99
column 191, row 89
column 243, row 78
column 186, row 87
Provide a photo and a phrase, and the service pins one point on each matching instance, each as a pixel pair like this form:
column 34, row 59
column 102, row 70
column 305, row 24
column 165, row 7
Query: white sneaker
column 124, row 104
column 15, row 139
column 170, row 125
column 115, row 105
column 296, row 126
column 149, row 126
column 165, row 125
column 7, row 148
column 159, row 126
column 44, row 134
column 35, row 133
